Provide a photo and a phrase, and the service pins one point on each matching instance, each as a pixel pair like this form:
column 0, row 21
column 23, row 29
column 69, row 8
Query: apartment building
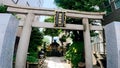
column 113, row 11
column 23, row 2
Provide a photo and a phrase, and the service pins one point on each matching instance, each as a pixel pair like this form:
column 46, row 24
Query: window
column 111, row 1
column 117, row 4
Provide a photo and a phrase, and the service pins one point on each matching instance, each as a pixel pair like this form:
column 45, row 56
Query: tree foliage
column 3, row 9
column 75, row 53
column 50, row 19
column 81, row 5
column 35, row 41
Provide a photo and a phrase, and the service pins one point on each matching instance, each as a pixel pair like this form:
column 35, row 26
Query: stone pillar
column 24, row 42
column 112, row 35
column 87, row 43
column 8, row 29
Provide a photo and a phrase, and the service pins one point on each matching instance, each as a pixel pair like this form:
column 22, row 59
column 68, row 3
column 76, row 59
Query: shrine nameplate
column 60, row 19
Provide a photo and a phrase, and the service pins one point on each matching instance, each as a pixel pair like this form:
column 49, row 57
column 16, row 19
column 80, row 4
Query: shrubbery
column 3, row 9
column 75, row 53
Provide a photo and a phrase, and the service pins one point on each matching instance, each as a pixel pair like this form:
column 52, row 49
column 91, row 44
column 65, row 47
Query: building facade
column 113, row 11
column 32, row 3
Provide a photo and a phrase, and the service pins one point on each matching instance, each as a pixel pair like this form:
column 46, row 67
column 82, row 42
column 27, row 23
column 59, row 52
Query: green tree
column 81, row 5
column 36, row 40
column 3, row 9
column 75, row 53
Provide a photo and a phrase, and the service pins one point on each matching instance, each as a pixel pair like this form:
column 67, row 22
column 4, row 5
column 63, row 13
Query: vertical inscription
column 60, row 19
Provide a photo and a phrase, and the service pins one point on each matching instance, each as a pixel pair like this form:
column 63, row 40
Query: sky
column 35, row 3
column 44, row 3
column 49, row 4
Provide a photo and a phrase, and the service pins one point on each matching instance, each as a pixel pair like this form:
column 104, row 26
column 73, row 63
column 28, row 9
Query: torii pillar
column 24, row 42
column 87, row 43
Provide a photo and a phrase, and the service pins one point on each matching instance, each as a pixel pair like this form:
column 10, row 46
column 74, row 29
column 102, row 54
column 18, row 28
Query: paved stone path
column 56, row 62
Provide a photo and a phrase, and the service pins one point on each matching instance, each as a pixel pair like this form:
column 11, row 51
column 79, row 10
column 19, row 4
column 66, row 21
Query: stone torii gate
column 29, row 23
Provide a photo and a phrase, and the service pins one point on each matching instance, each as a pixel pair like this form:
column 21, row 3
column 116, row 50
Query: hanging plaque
column 60, row 19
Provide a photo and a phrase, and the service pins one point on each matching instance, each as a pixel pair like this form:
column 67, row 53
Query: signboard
column 60, row 19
